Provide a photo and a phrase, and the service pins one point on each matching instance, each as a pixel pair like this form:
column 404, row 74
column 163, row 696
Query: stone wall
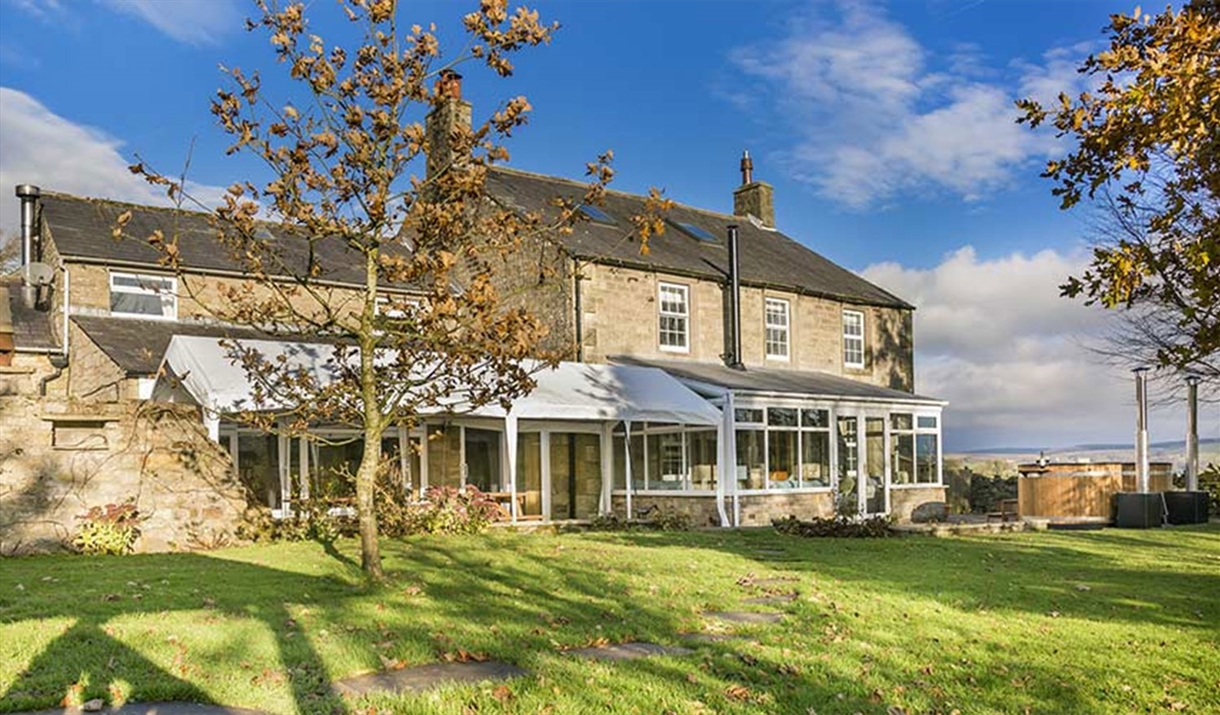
column 619, row 317
column 908, row 504
column 761, row 509
column 60, row 457
column 92, row 375
column 701, row 510
column 917, row 504
column 25, row 374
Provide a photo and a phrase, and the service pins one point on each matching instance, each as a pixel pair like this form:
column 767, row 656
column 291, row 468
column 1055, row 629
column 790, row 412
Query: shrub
column 839, row 526
column 1209, row 481
column 447, row 510
column 110, row 529
column 986, row 492
column 311, row 520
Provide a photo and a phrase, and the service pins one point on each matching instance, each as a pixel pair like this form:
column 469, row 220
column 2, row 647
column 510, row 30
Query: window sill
column 921, row 485
column 711, row 493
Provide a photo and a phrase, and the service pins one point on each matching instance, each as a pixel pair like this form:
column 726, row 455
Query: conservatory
column 724, row 447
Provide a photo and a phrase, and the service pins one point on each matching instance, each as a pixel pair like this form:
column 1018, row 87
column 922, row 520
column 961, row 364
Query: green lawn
column 1088, row 622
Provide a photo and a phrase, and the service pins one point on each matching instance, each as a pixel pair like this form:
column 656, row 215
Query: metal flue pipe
column 1192, row 433
column 1141, row 429
column 734, row 356
column 29, row 203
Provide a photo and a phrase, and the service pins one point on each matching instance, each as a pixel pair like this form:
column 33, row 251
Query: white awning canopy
column 201, row 370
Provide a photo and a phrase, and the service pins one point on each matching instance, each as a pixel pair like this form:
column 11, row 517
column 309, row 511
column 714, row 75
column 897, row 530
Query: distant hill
column 1102, row 447
column 1005, row 459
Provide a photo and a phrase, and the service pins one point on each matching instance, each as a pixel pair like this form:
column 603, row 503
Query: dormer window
column 777, row 329
column 853, row 339
column 144, row 296
column 674, row 316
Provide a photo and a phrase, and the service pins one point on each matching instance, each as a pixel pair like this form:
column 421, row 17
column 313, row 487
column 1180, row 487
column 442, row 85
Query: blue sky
column 886, row 129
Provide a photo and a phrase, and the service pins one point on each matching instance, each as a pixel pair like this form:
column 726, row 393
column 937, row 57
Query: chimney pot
column 449, row 85
column 754, row 198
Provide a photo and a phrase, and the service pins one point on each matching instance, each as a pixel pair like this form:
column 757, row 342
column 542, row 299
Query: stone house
column 802, row 372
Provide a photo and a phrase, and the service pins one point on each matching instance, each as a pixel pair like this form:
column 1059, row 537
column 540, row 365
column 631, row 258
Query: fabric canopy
column 201, row 370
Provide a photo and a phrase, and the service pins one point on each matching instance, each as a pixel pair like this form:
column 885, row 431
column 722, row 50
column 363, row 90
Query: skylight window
column 597, row 215
column 696, row 232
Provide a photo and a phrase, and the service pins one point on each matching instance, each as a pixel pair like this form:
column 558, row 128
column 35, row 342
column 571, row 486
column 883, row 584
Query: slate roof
column 137, row 346
column 768, row 258
column 82, row 229
column 762, row 379
column 32, row 329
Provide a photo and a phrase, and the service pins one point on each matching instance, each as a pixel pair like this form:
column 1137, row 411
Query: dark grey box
column 1137, row 510
column 1187, row 507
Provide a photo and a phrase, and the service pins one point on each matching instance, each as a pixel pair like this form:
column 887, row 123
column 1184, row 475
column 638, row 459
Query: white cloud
column 873, row 114
column 195, row 22
column 40, row 147
column 1013, row 358
column 191, row 21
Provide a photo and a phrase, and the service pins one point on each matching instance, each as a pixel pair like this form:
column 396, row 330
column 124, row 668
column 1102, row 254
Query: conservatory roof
column 204, row 371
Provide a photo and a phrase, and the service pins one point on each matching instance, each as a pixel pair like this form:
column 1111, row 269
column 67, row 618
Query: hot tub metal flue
column 1141, row 429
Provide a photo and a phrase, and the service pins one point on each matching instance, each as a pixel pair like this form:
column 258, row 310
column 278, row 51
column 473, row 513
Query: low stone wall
column 60, row 457
column 756, row 510
column 917, row 504
column 701, row 510
column 762, row 509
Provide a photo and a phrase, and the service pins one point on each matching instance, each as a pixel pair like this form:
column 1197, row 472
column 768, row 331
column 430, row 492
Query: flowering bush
column 110, row 529
column 446, row 510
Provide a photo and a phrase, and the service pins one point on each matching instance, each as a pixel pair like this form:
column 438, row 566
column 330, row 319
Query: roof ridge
column 619, row 192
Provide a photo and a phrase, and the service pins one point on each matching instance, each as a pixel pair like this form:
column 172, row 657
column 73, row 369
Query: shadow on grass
column 449, row 597
column 87, row 661
column 1032, row 573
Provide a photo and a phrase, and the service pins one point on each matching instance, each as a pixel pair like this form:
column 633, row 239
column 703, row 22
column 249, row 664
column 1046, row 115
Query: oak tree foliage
column 1146, row 151
column 430, row 325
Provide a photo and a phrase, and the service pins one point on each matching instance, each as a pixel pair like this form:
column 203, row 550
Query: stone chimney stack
column 754, row 198
column 448, row 120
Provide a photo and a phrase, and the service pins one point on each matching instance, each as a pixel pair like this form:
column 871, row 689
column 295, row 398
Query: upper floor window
column 674, row 317
column 144, row 295
column 777, row 328
column 853, row 338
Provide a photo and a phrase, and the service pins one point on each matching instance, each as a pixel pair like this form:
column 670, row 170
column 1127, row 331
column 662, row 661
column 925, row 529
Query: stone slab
column 774, row 581
column 627, row 651
column 156, row 708
column 744, row 617
column 711, row 637
column 770, row 600
column 425, row 677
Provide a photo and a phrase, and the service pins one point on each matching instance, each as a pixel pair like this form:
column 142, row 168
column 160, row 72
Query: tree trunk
column 366, row 480
column 366, row 476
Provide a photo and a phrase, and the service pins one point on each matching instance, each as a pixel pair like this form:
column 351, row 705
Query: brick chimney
column 449, row 116
column 754, row 198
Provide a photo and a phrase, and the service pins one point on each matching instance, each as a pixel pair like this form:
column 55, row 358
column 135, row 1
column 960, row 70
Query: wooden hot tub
column 1082, row 490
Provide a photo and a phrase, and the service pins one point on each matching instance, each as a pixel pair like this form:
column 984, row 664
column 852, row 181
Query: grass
column 1096, row 622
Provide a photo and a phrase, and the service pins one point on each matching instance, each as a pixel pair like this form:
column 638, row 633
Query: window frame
column 685, row 317
column 785, row 330
column 852, row 338
column 169, row 297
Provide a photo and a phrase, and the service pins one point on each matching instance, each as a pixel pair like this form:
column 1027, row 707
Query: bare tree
column 341, row 165
column 10, row 252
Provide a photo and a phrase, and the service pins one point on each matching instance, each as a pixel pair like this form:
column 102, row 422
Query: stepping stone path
column 769, row 600
column 425, row 677
column 627, row 651
column 744, row 617
column 152, row 709
column 711, row 637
